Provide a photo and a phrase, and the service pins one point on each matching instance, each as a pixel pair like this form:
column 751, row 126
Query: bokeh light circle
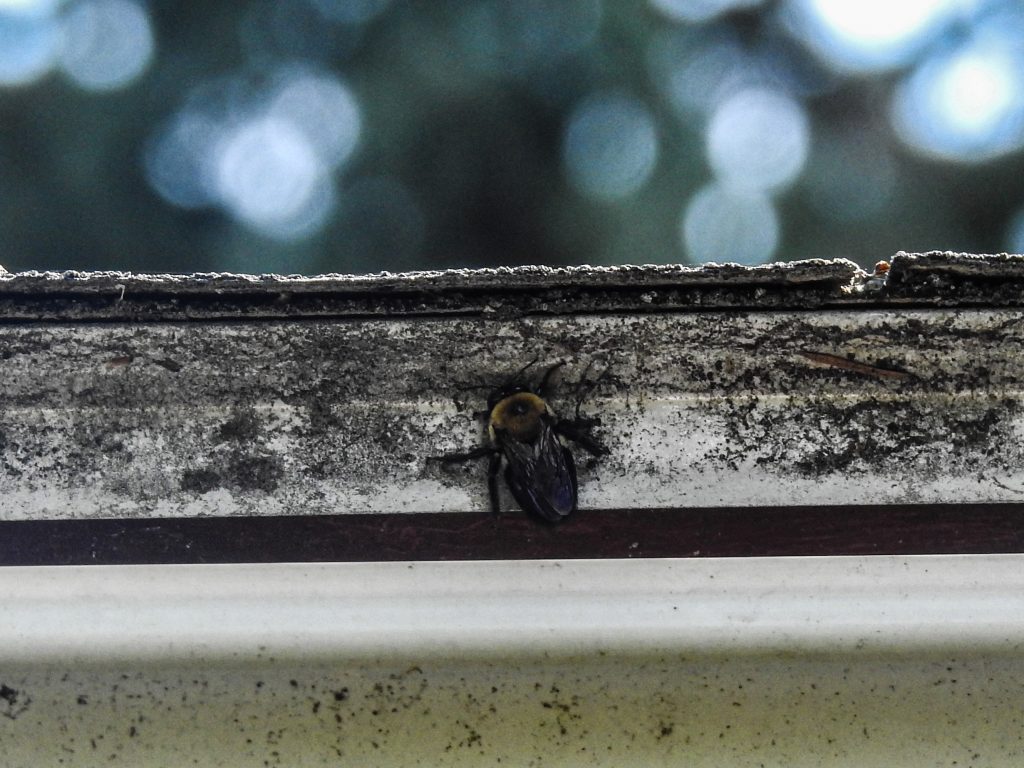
column 758, row 139
column 322, row 108
column 30, row 40
column 107, row 43
column 696, row 71
column 30, row 8
column 860, row 36
column 727, row 225
column 178, row 159
column 270, row 177
column 610, row 147
column 965, row 104
column 261, row 146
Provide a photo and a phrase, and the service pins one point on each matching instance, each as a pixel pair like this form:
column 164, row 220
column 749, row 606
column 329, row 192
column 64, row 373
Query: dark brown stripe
column 727, row 532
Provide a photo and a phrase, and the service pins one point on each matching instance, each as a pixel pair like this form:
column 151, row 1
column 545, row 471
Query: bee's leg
column 454, row 458
column 492, row 482
column 492, row 469
column 543, row 386
column 584, row 388
column 576, row 431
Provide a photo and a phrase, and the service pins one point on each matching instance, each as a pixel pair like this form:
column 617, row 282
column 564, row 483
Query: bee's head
column 517, row 412
column 506, row 392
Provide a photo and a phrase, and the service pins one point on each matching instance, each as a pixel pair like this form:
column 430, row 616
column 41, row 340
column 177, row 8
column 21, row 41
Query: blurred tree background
column 307, row 136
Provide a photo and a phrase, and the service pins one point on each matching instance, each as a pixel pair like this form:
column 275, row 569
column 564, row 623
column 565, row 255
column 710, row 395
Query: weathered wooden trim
column 506, row 292
column 872, row 397
column 340, row 416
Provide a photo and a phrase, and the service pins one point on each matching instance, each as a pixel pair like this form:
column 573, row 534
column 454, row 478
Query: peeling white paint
column 333, row 417
column 708, row 409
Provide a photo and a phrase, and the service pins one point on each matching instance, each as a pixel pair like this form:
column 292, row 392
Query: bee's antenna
column 517, row 377
column 542, row 387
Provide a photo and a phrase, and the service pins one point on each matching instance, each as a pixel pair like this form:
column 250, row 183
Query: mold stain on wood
column 719, row 408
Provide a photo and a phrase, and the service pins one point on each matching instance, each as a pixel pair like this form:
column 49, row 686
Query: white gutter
column 385, row 611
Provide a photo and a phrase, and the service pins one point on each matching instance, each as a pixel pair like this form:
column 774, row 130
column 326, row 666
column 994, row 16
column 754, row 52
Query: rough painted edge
column 837, row 271
column 937, row 278
column 906, row 268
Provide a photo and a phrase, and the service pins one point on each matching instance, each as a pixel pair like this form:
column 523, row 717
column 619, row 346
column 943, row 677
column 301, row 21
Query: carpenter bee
column 524, row 432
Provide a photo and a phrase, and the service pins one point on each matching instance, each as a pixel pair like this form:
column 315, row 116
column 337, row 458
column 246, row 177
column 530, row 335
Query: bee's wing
column 541, row 475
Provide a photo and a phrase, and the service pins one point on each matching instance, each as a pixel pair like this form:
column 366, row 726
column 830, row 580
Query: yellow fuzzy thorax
column 519, row 415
